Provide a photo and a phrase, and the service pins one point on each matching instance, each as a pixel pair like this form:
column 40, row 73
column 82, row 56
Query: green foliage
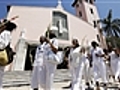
column 111, row 27
column 114, row 41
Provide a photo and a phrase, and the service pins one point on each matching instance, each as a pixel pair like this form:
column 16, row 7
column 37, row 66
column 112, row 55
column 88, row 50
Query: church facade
column 33, row 22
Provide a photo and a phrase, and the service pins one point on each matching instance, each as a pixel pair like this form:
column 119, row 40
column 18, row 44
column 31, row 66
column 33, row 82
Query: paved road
column 20, row 80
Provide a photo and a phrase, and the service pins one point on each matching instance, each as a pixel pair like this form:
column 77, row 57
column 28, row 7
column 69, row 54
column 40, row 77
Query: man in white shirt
column 51, row 48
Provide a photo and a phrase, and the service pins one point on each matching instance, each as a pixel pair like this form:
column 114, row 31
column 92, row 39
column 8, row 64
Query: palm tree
column 110, row 27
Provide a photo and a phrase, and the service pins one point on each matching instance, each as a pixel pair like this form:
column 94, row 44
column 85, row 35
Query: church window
column 95, row 23
column 60, row 21
column 91, row 1
column 91, row 10
column 80, row 13
column 77, row 5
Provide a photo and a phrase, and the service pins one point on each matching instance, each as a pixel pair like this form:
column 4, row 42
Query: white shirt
column 113, row 57
column 39, row 55
column 48, row 50
column 75, row 56
column 5, row 39
column 98, row 51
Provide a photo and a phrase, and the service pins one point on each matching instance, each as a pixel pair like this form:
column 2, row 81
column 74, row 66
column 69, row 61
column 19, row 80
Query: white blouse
column 74, row 56
column 99, row 51
column 48, row 51
column 5, row 39
column 39, row 55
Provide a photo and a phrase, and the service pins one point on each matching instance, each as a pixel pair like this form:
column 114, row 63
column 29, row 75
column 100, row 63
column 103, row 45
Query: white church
column 34, row 20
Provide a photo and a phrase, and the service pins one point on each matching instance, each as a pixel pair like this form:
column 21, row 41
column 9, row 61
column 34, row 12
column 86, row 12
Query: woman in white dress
column 38, row 73
column 74, row 64
column 99, row 68
column 117, row 64
column 114, row 58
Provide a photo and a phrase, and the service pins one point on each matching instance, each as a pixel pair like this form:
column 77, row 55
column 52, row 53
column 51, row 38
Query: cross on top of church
column 59, row 4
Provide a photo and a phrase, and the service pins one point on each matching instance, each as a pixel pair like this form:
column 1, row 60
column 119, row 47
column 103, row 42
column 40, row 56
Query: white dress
column 75, row 67
column 99, row 67
column 113, row 61
column 38, row 73
column 117, row 74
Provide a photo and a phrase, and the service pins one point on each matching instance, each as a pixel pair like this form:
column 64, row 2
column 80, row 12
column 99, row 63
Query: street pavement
column 20, row 80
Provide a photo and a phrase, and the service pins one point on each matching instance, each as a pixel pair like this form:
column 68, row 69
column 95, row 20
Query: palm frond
column 115, row 33
column 117, row 21
column 109, row 17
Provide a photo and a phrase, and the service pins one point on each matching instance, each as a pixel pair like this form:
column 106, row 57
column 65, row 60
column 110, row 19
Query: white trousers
column 108, row 70
column 114, row 66
column 43, row 76
column 1, row 75
column 76, row 77
column 77, row 73
column 117, row 74
column 38, row 77
column 99, row 70
column 50, row 71
column 87, row 72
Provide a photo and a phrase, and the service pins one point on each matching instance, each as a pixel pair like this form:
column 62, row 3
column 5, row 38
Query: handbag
column 3, row 58
column 10, row 54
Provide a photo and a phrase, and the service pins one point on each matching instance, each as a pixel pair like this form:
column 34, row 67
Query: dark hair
column 105, row 51
column 93, row 43
column 10, row 26
column 52, row 35
column 76, row 42
column 42, row 39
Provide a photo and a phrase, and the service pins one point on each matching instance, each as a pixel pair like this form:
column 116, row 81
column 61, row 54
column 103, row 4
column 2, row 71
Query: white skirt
column 38, row 77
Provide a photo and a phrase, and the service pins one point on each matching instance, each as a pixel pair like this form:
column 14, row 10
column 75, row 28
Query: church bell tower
column 86, row 10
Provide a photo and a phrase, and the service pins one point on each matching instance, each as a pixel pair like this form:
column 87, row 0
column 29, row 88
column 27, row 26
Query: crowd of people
column 92, row 64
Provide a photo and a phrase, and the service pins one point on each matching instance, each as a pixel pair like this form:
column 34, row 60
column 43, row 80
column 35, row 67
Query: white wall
column 33, row 19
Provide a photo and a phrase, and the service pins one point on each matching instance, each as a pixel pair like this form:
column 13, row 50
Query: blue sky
column 102, row 5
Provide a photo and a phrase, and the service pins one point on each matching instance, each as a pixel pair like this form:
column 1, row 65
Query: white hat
column 74, row 38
